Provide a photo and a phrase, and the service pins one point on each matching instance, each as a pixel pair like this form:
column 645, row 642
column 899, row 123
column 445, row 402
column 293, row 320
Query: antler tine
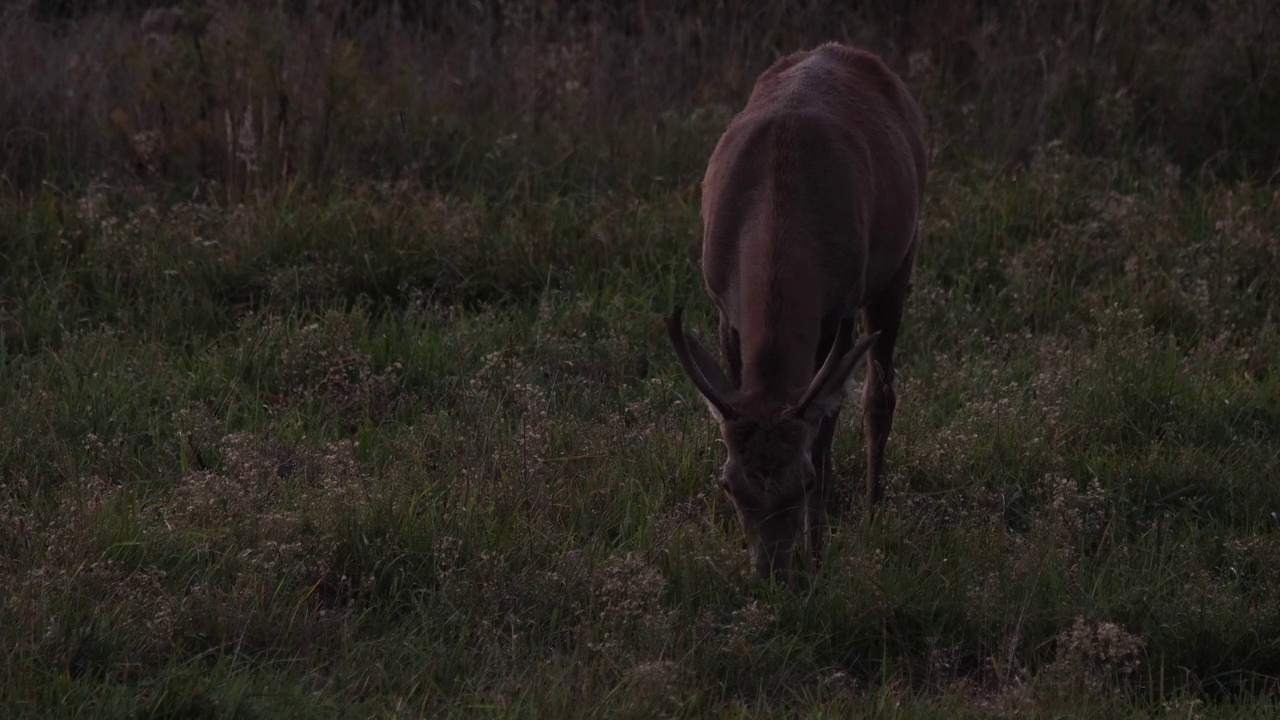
column 837, row 365
column 680, row 341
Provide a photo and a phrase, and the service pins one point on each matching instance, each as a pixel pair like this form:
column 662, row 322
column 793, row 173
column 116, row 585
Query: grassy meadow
column 333, row 381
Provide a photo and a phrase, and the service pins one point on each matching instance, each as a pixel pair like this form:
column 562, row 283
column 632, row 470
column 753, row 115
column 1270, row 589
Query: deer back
column 810, row 205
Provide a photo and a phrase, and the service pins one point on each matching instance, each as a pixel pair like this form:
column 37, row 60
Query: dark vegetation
column 332, row 377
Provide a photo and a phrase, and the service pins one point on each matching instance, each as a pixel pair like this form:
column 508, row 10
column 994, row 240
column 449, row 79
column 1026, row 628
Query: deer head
column 769, row 474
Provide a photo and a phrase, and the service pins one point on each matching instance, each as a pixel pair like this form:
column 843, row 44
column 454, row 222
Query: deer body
column 811, row 208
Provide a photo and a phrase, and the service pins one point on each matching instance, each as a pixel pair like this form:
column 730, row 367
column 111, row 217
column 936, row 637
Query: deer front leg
column 819, row 496
column 878, row 397
column 730, row 352
column 879, row 401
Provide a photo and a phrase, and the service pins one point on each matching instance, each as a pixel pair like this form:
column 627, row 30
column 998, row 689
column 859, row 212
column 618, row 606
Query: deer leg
column 878, row 398
column 820, row 496
column 730, row 352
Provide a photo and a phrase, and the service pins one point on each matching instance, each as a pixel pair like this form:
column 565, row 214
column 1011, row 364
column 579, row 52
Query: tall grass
column 332, row 379
column 233, row 99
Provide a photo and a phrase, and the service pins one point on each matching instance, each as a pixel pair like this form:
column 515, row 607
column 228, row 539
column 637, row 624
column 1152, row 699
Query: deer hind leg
column 878, row 397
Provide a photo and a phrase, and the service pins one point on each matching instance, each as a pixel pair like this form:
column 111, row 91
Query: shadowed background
column 333, row 380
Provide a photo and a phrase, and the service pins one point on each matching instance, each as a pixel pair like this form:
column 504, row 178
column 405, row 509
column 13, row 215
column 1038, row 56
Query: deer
column 811, row 206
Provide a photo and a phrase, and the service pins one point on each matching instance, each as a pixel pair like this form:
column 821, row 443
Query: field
column 327, row 391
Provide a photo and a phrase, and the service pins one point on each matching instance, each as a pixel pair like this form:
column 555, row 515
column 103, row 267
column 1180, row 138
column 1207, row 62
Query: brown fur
column 768, row 447
column 810, row 204
column 811, row 207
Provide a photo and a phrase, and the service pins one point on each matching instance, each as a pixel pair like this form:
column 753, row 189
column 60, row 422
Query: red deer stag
column 811, row 210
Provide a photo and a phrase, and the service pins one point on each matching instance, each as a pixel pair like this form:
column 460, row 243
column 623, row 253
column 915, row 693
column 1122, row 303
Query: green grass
column 333, row 381
column 384, row 422
column 398, row 451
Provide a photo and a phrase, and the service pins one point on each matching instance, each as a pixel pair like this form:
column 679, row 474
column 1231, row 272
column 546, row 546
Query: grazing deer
column 811, row 211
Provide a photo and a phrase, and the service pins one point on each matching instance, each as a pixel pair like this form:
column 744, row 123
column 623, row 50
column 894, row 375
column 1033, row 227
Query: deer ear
column 833, row 384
